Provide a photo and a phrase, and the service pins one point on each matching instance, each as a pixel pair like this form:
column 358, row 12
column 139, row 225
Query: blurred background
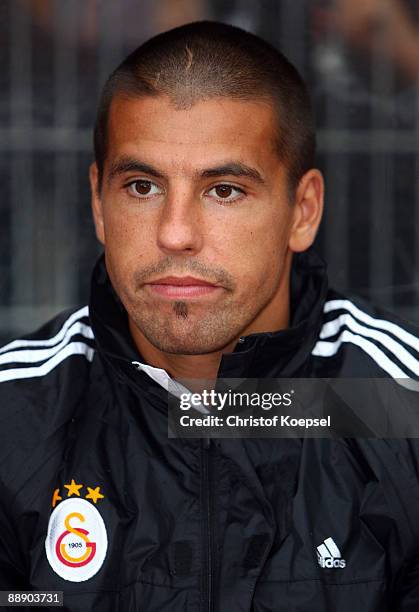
column 360, row 59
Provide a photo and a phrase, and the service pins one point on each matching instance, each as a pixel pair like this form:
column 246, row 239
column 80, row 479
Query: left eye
column 143, row 188
column 226, row 192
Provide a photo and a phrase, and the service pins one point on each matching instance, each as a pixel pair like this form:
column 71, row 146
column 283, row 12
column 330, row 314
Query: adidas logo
column 329, row 555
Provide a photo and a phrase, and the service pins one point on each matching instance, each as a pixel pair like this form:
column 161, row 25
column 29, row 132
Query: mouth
column 182, row 287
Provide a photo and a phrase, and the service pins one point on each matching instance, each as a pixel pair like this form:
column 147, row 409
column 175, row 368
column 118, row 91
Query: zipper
column 208, row 527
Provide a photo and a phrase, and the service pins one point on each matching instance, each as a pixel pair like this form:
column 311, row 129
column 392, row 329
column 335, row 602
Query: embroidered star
column 56, row 497
column 94, row 494
column 73, row 488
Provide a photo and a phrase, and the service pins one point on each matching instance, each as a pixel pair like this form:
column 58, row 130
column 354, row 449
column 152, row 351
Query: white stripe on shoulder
column 327, row 349
column 73, row 348
column 82, row 312
column 34, row 355
column 331, row 328
column 393, row 328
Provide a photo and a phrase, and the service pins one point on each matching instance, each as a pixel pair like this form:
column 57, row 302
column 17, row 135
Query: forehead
column 207, row 131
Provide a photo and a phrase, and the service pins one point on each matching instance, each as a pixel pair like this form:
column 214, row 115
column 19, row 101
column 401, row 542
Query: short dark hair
column 208, row 59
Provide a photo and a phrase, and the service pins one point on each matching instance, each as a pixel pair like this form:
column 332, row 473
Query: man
column 207, row 202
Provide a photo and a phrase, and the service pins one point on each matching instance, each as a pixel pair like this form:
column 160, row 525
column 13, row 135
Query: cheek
column 127, row 231
column 128, row 242
column 255, row 266
column 256, row 252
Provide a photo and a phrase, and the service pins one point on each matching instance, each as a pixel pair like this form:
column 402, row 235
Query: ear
column 308, row 210
column 96, row 203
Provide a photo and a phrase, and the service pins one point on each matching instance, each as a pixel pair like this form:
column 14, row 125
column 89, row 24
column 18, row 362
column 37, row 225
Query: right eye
column 143, row 189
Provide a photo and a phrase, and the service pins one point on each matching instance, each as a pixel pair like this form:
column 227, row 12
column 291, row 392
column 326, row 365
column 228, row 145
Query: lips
column 182, row 287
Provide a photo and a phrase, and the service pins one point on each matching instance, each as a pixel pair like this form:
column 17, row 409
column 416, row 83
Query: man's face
column 195, row 219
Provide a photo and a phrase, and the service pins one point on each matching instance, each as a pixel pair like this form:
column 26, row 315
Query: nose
column 180, row 225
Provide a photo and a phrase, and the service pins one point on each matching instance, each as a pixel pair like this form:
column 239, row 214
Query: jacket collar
column 283, row 353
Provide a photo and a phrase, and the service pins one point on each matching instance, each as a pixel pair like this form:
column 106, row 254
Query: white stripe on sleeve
column 327, row 349
column 331, row 328
column 34, row 355
column 73, row 348
column 82, row 312
column 393, row 328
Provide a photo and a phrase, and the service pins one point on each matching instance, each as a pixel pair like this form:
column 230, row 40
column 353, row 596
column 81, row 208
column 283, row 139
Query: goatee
column 181, row 310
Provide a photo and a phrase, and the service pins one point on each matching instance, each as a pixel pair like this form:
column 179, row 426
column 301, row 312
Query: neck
column 273, row 317
column 204, row 367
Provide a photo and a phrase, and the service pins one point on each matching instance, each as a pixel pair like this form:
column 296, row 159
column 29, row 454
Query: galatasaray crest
column 76, row 541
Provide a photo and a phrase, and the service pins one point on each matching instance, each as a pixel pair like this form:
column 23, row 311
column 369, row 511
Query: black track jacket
column 98, row 502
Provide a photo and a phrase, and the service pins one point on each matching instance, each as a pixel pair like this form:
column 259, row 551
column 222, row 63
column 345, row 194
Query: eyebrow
column 233, row 168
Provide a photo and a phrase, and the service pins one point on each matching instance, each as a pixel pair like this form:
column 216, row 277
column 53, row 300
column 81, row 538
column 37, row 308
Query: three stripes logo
column 329, row 556
column 34, row 358
column 353, row 326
